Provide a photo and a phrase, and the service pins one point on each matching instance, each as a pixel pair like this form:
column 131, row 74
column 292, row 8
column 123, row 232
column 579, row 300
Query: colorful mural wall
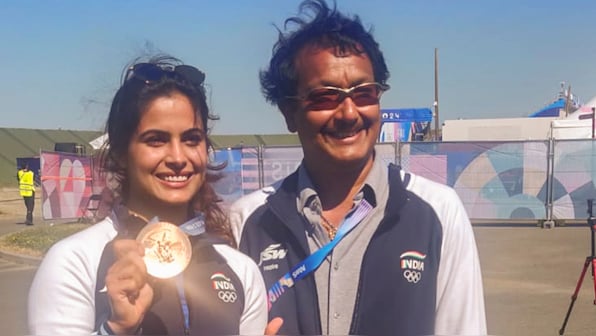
column 66, row 183
column 511, row 180
column 522, row 180
column 494, row 180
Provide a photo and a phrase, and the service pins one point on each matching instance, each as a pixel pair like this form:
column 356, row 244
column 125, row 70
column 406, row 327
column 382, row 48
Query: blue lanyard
column 193, row 227
column 183, row 303
column 313, row 261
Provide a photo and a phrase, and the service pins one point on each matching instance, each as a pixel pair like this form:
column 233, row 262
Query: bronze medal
column 167, row 249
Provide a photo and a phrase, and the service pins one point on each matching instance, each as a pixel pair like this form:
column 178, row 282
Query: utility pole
column 436, row 103
column 567, row 98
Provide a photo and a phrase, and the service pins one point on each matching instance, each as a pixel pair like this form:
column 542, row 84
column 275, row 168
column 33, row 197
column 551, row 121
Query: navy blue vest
column 398, row 275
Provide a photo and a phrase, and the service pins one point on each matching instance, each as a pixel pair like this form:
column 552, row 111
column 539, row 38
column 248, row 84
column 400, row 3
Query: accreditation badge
column 167, row 249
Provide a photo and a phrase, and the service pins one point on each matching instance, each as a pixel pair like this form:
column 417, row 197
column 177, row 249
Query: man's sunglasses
column 150, row 73
column 329, row 97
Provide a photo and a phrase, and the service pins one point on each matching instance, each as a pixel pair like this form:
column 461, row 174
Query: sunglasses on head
column 150, row 73
column 329, row 97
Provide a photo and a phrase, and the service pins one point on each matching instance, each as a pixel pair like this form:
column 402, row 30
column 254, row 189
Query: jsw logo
column 272, row 252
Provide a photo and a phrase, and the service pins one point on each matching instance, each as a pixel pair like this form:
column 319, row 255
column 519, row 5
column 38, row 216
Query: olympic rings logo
column 227, row 296
column 412, row 276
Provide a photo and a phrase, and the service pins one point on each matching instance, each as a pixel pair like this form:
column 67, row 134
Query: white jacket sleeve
column 62, row 295
column 460, row 298
column 61, row 298
column 240, row 210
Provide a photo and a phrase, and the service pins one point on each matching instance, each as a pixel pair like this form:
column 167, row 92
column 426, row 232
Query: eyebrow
column 160, row 131
column 195, row 130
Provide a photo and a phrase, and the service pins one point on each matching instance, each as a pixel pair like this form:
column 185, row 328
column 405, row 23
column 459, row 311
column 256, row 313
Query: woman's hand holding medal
column 127, row 284
column 160, row 250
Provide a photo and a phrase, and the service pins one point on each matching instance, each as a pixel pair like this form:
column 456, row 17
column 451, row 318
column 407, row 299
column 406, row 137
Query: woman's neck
column 171, row 214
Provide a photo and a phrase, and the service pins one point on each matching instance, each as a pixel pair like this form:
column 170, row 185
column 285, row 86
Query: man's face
column 333, row 137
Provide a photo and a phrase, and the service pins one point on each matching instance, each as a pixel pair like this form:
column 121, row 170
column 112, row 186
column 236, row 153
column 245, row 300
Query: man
column 409, row 265
column 27, row 190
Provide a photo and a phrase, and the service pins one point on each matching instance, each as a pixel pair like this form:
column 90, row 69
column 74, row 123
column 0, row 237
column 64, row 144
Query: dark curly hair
column 130, row 101
column 327, row 28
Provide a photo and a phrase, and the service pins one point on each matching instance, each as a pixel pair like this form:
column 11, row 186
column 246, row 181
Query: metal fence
column 515, row 180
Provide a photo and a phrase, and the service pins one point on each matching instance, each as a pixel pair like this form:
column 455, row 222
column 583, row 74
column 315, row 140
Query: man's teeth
column 176, row 178
column 342, row 135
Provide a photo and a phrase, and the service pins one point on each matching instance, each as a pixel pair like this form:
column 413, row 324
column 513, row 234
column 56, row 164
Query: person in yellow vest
column 27, row 190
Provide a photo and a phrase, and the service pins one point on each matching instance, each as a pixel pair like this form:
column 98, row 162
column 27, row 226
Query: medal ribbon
column 313, row 261
column 183, row 303
column 193, row 227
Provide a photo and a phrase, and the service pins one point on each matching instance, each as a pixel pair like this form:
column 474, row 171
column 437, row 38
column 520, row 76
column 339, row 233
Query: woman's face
column 167, row 156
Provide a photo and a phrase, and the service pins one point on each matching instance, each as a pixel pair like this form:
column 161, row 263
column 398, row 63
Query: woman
column 134, row 272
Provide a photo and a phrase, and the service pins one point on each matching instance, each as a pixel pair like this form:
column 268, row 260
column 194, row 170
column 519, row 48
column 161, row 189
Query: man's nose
column 347, row 109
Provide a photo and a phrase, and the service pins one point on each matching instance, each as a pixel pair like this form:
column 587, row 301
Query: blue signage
column 406, row 115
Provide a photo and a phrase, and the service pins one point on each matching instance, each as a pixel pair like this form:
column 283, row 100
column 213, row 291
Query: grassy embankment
column 36, row 240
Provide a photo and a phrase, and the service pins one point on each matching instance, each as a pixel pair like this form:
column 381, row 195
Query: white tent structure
column 572, row 128
column 98, row 142
column 498, row 129
column 577, row 125
column 582, row 111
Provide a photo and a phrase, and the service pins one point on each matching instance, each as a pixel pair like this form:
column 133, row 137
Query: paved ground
column 529, row 276
column 12, row 206
column 16, row 272
column 15, row 279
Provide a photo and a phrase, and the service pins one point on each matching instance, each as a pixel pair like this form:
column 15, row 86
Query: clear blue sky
column 61, row 61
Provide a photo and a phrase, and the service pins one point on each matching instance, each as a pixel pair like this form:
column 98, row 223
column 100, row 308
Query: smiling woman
column 166, row 158
column 148, row 268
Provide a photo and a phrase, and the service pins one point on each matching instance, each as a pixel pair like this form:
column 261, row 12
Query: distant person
column 26, row 179
column 346, row 244
column 182, row 274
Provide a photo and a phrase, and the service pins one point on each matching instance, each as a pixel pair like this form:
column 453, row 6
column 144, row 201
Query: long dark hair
column 130, row 101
